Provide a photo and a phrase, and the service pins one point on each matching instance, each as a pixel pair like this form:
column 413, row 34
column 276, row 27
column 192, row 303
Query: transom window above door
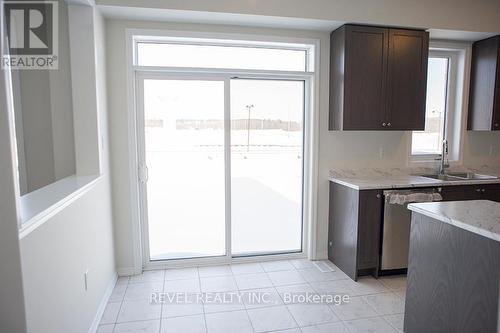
column 223, row 54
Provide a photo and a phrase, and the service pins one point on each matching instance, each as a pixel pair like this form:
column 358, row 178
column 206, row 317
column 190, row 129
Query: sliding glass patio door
column 222, row 165
column 266, row 166
column 183, row 150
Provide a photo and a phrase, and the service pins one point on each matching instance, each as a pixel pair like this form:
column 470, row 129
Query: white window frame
column 458, row 55
column 310, row 128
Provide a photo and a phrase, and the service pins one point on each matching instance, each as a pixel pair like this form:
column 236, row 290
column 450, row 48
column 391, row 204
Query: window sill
column 40, row 205
column 425, row 158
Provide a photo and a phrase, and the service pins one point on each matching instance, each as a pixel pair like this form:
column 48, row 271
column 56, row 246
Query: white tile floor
column 375, row 306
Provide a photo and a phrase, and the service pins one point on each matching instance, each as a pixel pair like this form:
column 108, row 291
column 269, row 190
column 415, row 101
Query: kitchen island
column 454, row 267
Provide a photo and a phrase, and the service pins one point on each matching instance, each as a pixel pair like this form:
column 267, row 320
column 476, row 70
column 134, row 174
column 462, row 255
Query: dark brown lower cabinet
column 490, row 192
column 354, row 229
column 453, row 279
column 369, row 224
column 355, row 222
column 471, row 192
column 460, row 193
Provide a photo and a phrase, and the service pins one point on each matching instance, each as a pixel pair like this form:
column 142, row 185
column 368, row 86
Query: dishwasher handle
column 403, row 197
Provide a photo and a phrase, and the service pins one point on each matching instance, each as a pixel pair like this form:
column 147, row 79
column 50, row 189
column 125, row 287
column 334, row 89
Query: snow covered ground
column 186, row 192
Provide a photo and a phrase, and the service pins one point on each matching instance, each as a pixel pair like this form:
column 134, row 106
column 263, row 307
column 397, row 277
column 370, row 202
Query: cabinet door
column 370, row 217
column 490, row 192
column 343, row 228
column 496, row 114
column 496, row 106
column 407, row 79
column 484, row 73
column 458, row 193
column 365, row 77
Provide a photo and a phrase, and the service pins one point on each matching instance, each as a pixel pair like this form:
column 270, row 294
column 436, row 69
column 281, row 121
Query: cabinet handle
column 483, row 190
column 389, row 124
column 496, row 125
column 478, row 190
column 378, row 196
column 384, row 124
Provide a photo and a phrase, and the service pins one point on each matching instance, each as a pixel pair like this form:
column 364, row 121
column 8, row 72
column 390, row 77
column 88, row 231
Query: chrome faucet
column 444, row 163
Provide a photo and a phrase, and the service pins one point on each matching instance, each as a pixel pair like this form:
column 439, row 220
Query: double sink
column 459, row 176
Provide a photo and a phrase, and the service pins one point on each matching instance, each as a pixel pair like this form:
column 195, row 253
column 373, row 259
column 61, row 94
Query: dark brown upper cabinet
column 484, row 101
column 378, row 78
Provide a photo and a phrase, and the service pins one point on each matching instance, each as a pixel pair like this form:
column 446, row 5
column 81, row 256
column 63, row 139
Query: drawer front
column 490, row 192
column 458, row 193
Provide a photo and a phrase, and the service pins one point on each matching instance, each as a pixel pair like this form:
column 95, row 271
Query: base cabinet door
column 490, row 192
column 354, row 229
column 370, row 217
column 458, row 193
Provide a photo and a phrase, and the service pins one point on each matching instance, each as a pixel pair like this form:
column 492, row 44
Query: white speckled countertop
column 390, row 178
column 481, row 217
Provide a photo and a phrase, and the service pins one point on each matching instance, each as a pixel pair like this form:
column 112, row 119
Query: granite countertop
column 481, row 217
column 392, row 178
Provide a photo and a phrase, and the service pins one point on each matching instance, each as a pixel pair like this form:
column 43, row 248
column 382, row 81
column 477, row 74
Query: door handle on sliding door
column 143, row 173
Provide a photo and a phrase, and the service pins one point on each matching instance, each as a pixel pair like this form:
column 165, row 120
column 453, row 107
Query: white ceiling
column 200, row 17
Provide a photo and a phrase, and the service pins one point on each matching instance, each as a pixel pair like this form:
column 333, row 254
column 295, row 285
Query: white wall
column 61, row 104
column 482, row 149
column 77, row 239
column 336, row 149
column 37, row 128
column 84, row 75
column 55, row 257
column 12, row 313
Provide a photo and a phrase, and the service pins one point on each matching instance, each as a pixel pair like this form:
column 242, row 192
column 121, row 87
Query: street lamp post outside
column 249, row 107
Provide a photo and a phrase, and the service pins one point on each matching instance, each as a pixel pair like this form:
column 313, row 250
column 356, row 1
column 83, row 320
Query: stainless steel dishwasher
column 396, row 225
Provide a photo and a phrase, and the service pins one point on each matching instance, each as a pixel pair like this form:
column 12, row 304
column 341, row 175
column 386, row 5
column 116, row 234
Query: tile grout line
column 279, row 295
column 287, row 309
column 121, row 303
column 375, row 309
column 389, row 323
column 329, row 307
column 203, row 305
column 246, row 310
column 161, row 305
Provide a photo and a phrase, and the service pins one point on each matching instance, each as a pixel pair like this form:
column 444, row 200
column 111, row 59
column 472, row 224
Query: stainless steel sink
column 443, row 177
column 460, row 176
column 471, row 175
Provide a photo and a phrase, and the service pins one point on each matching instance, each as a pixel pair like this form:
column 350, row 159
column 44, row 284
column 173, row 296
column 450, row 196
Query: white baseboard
column 102, row 305
column 127, row 271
